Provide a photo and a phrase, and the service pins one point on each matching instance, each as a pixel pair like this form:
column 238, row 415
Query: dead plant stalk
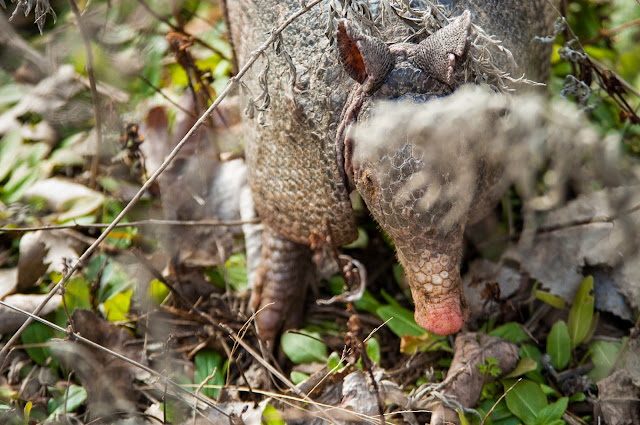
column 94, row 92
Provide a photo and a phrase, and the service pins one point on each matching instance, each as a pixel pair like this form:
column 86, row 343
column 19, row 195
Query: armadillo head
column 402, row 182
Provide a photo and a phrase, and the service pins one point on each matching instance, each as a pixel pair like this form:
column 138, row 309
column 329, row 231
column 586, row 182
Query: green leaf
column 398, row 274
column 9, row 147
column 525, row 364
column 532, row 352
column 11, row 93
column 553, row 300
column 123, row 237
column 373, row 350
column 361, row 242
column 303, row 347
column 270, row 416
column 402, row 321
column 157, row 291
column 427, row 341
column 552, row 412
column 603, row 355
column 334, row 361
column 114, row 281
column 82, row 206
column 215, row 276
column 27, row 411
column 550, row 391
column 8, row 394
column 297, row 377
column 67, row 402
column 37, row 334
column 462, row 418
column 234, row 273
column 206, row 362
column 237, row 272
column 581, row 313
column 526, row 400
column 577, row 398
column 116, row 308
column 22, row 177
column 499, row 413
column 76, row 295
column 367, row 303
column 511, row 331
column 559, row 345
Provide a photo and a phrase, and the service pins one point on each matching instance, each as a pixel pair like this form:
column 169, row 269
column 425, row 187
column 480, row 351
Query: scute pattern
column 293, row 170
column 300, row 165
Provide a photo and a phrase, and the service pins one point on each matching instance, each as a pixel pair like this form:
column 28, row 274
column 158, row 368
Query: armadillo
column 323, row 77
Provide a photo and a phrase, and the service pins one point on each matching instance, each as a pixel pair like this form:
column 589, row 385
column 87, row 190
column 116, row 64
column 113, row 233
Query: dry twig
column 94, row 93
column 154, row 222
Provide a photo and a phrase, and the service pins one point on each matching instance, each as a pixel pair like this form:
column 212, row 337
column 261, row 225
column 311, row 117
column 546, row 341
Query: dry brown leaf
column 558, row 258
column 464, row 380
column 11, row 320
column 618, row 399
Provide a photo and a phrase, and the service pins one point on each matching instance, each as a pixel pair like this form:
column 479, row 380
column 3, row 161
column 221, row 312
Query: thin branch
column 75, row 336
column 231, row 84
column 591, row 220
column 94, row 92
column 552, row 228
column 186, row 223
column 613, row 31
column 159, row 91
column 624, row 82
column 179, row 29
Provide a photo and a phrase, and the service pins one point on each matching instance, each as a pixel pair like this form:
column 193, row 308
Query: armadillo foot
column 281, row 282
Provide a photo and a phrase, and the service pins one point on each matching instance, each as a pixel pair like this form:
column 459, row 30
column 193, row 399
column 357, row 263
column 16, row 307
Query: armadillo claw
column 280, row 284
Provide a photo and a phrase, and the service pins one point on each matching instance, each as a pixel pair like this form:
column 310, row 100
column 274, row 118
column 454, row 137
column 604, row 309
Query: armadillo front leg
column 281, row 283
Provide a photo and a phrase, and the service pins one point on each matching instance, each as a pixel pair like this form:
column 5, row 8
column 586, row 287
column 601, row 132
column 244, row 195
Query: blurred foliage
column 609, row 32
column 131, row 53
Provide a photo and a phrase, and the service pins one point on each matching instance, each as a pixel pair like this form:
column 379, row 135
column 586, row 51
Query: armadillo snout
column 444, row 317
column 436, row 287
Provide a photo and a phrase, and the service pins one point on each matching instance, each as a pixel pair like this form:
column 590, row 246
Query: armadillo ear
column 438, row 53
column 363, row 57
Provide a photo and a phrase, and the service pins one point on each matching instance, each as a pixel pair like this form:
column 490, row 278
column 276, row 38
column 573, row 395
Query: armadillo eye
column 369, row 184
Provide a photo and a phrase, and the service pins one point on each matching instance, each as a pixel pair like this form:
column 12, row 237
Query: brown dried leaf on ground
column 108, row 380
column 582, row 242
column 248, row 413
column 46, row 251
column 465, row 380
column 8, row 281
column 66, row 199
column 618, row 400
column 11, row 320
column 482, row 273
column 354, row 398
column 633, row 360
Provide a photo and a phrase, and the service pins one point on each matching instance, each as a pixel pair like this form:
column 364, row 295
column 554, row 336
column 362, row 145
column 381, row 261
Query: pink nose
column 444, row 318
